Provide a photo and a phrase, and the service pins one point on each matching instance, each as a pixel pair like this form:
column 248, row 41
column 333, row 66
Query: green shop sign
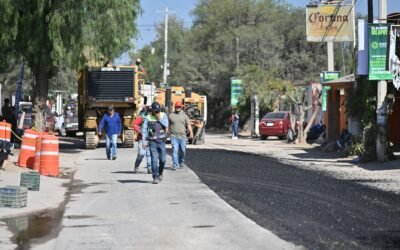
column 236, row 91
column 378, row 43
column 330, row 76
column 327, row 76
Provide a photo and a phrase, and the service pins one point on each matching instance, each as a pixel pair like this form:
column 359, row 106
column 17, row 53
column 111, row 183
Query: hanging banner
column 329, row 23
column 236, row 91
column 394, row 54
column 325, row 97
column 378, row 45
column 362, row 63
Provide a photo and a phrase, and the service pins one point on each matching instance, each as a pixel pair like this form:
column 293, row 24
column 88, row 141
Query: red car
column 274, row 124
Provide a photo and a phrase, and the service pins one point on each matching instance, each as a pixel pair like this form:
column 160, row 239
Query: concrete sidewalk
column 384, row 176
column 112, row 208
column 51, row 195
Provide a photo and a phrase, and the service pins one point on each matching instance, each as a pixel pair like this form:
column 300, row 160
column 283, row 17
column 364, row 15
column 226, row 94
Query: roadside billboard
column 329, row 23
column 378, row 48
column 236, row 91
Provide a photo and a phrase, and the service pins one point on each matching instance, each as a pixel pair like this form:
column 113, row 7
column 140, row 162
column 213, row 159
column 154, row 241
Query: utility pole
column 381, row 118
column 237, row 53
column 354, row 24
column 331, row 57
column 370, row 11
column 165, row 75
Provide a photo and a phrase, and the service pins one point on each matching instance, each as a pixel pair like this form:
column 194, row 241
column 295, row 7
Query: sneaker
column 183, row 165
column 114, row 158
column 149, row 171
column 155, row 181
column 173, row 168
column 136, row 170
column 108, row 158
column 161, row 177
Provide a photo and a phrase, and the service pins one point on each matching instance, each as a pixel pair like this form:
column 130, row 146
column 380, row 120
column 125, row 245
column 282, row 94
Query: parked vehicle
column 25, row 112
column 275, row 124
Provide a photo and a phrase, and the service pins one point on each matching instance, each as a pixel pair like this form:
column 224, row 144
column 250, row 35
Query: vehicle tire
column 63, row 131
column 282, row 137
column 128, row 138
column 71, row 133
column 263, row 137
column 290, row 136
column 201, row 138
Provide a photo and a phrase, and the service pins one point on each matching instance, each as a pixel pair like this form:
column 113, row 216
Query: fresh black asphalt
column 301, row 206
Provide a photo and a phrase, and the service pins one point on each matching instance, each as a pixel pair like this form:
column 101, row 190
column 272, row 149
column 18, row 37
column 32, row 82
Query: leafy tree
column 50, row 34
column 262, row 42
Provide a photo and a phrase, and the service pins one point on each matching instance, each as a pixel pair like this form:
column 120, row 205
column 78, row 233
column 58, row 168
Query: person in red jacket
column 137, row 126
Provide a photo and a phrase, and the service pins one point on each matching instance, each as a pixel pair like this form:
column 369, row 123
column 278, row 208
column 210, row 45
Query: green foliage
column 362, row 103
column 50, row 34
column 268, row 38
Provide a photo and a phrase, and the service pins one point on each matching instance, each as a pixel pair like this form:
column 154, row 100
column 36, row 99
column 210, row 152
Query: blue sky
column 182, row 9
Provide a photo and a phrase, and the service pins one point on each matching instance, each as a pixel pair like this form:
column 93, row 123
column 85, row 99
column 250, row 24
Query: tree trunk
column 301, row 121
column 42, row 76
column 305, row 130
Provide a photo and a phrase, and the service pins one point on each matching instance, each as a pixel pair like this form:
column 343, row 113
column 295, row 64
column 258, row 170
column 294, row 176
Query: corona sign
column 329, row 23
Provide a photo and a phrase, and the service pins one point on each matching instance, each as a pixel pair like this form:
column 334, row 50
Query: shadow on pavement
column 96, row 159
column 133, row 181
column 317, row 155
column 123, row 172
column 71, row 145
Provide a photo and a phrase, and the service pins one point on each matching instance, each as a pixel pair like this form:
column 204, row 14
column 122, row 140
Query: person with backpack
column 154, row 132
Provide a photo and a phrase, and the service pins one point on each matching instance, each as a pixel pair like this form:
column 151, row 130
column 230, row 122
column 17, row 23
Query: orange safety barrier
column 38, row 147
column 49, row 159
column 5, row 131
column 27, row 152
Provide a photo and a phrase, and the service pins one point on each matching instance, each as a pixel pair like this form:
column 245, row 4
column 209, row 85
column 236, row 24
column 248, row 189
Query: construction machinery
column 195, row 106
column 101, row 87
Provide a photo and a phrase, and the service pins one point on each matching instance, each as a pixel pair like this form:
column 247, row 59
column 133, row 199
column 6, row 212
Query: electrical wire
column 347, row 14
column 332, row 20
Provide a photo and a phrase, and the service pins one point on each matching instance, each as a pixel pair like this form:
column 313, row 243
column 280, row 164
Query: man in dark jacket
column 154, row 131
column 111, row 122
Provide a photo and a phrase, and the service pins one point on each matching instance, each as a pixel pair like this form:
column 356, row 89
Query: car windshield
column 275, row 115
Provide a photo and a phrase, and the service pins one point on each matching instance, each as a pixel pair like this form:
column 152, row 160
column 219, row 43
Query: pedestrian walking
column 234, row 120
column 179, row 122
column 154, row 132
column 111, row 122
column 137, row 126
column 6, row 111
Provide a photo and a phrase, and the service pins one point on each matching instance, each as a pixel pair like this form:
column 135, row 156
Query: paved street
column 112, row 208
column 301, row 206
column 226, row 199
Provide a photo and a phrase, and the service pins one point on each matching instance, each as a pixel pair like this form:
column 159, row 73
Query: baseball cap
column 178, row 105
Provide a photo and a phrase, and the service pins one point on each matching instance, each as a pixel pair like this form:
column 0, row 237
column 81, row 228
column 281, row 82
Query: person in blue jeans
column 137, row 126
column 179, row 122
column 154, row 133
column 235, row 125
column 111, row 122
